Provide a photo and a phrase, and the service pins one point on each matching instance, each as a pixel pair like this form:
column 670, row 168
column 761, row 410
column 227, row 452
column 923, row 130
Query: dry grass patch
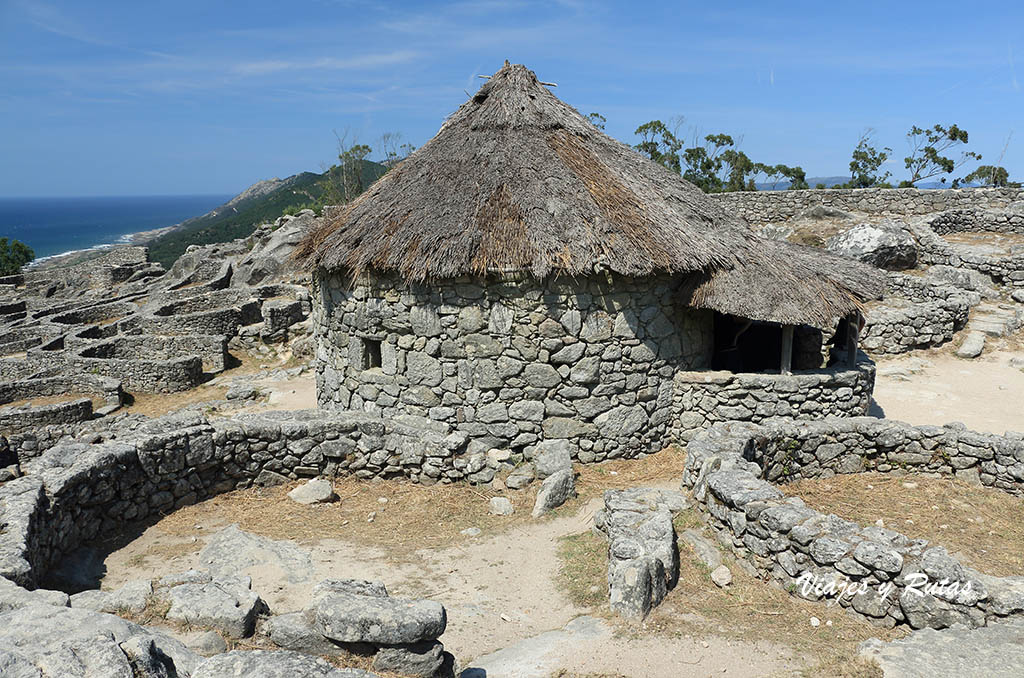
column 661, row 469
column 412, row 517
column 159, row 404
column 990, row 239
column 406, row 516
column 978, row 523
column 583, row 575
column 752, row 610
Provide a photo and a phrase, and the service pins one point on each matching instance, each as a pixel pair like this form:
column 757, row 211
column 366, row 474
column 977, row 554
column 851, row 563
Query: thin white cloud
column 48, row 18
column 325, row 63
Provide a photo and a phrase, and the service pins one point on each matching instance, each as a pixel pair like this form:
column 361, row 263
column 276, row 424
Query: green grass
column 583, row 575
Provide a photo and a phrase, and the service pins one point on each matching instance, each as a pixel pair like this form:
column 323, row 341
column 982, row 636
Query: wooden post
column 787, row 350
column 852, row 334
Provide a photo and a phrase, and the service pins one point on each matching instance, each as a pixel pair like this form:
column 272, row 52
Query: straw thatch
column 786, row 283
column 518, row 180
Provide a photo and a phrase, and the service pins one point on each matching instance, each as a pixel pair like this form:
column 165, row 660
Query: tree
column 779, row 173
column 597, row 119
column 660, row 144
column 865, row 163
column 927, row 146
column 705, row 160
column 13, row 255
column 344, row 181
column 739, row 171
column 990, row 175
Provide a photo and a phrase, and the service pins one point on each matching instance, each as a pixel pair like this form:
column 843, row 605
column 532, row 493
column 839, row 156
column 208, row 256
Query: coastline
column 72, row 257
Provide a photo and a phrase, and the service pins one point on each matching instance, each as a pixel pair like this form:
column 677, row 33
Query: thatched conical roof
column 518, row 180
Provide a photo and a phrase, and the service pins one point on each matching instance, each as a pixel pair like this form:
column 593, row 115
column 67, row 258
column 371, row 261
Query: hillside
column 262, row 202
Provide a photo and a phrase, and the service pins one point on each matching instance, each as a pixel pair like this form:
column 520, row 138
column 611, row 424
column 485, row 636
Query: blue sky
column 141, row 98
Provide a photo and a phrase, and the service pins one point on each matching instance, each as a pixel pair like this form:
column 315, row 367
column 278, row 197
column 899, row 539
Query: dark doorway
column 371, row 354
column 743, row 345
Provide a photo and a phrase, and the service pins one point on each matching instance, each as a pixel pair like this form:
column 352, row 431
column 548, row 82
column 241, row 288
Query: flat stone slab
column 227, row 605
column 538, row 656
column 973, row 345
column 233, row 550
column 994, row 651
column 272, row 664
column 353, row 618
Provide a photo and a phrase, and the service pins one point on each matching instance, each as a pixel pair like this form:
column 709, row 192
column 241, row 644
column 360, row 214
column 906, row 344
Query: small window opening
column 371, row 354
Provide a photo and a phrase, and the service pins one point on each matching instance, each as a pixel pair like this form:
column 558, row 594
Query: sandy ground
column 499, row 590
column 935, row 387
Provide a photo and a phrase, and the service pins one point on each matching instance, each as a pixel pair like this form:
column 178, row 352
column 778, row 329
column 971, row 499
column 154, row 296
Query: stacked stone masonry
column 917, row 313
column 730, row 469
column 702, row 399
column 764, row 207
column 516, row 361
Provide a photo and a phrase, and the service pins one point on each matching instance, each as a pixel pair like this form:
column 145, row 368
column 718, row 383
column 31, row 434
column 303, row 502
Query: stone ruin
column 955, row 256
column 462, row 382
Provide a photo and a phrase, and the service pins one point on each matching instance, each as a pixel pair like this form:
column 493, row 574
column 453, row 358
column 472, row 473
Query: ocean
column 52, row 226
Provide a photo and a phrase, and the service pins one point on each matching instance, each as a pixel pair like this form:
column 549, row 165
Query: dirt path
column 498, row 589
column 505, row 606
column 934, row 387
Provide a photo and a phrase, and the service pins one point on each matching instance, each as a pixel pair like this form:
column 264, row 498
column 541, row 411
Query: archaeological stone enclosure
column 521, row 295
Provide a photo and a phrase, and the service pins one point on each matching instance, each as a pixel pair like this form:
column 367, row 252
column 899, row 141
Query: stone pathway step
column 994, row 651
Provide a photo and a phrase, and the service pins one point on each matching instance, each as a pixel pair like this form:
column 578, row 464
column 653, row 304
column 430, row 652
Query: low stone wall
column 23, row 419
column 763, row 207
column 873, row 572
column 149, row 375
column 211, row 349
column 77, row 492
column 973, row 220
column 915, row 314
column 95, row 314
column 109, row 389
column 18, row 340
column 792, row 451
column 701, row 399
column 1003, row 269
column 13, row 369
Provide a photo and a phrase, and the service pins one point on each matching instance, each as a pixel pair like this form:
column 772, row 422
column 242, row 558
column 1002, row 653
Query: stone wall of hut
column 762, row 207
column 514, row 361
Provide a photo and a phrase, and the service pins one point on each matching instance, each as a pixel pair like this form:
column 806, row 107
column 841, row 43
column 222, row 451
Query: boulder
column 552, row 456
column 225, row 604
column 207, row 643
column 272, row 664
column 555, row 491
column 521, row 476
column 13, row 597
column 131, row 597
column 885, row 245
column 271, row 258
column 501, row 506
column 63, row 641
column 296, row 631
column 316, row 491
column 353, row 618
column 420, row 660
column 721, row 576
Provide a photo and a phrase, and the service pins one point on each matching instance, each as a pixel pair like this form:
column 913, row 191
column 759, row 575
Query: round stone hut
column 524, row 277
